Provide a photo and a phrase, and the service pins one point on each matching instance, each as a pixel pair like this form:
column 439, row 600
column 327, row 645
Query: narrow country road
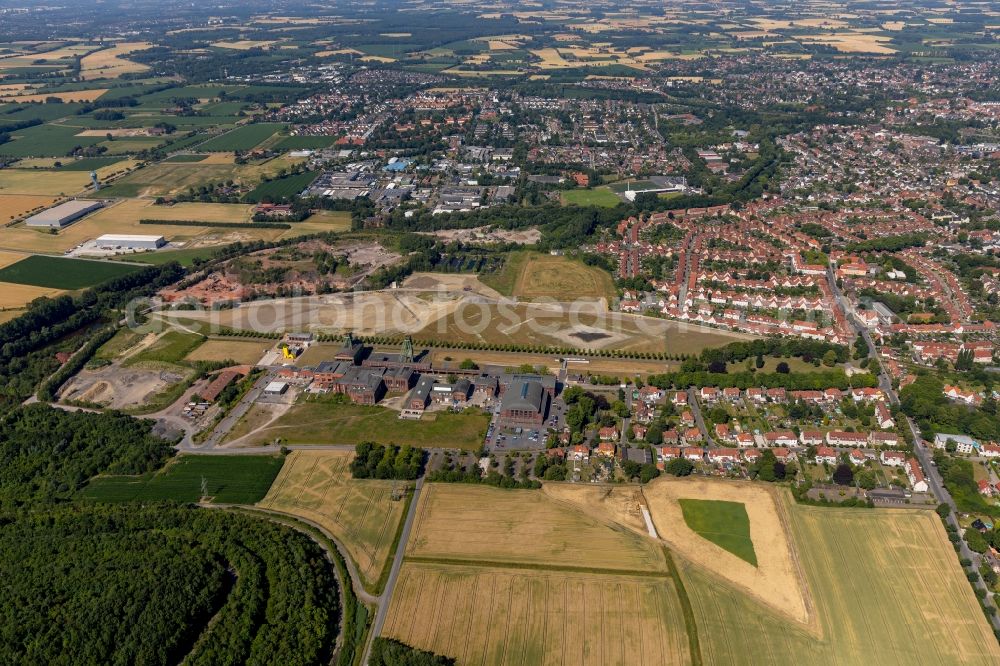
column 397, row 563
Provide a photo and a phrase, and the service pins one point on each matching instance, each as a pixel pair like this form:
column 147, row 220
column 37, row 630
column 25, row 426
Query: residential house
column 824, row 454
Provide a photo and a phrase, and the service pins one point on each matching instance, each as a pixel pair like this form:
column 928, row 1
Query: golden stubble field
column 317, row 485
column 110, row 63
column 487, row 615
column 477, row 524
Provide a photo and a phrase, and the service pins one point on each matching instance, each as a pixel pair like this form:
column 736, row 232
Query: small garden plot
column 725, row 524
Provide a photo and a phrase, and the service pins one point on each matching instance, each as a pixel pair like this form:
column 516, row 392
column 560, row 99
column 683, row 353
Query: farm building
column 63, row 214
column 131, row 242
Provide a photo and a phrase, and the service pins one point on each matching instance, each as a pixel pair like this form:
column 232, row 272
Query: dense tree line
column 743, row 380
column 888, row 243
column 778, row 347
column 47, row 453
column 378, row 461
column 389, row 652
column 129, row 584
column 925, row 402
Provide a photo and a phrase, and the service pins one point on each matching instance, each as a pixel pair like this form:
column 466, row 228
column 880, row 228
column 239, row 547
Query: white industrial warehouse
column 63, row 214
column 130, row 242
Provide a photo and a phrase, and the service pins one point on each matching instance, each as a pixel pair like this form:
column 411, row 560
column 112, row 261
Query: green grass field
column 322, row 421
column 183, row 257
column 88, row 164
column 46, row 141
column 171, row 347
column 241, row 138
column 725, row 524
column 280, row 188
column 599, row 197
column 228, row 480
column 60, row 273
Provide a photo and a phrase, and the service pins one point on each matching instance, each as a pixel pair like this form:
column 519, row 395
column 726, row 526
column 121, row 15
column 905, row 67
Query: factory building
column 64, row 214
column 130, row 242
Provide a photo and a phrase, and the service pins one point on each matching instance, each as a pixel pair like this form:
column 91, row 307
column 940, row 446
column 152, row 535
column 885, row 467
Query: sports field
column 228, row 480
column 597, row 197
column 887, row 590
column 725, row 524
column 61, row 273
column 491, row 615
column 319, row 421
column 459, row 523
column 361, row 514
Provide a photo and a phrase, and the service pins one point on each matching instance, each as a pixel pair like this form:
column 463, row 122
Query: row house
column 916, row 476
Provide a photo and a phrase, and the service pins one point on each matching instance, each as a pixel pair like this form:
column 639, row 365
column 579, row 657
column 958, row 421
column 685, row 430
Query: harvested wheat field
column 109, row 63
column 15, row 205
column 484, row 615
column 476, row 524
column 19, row 295
column 776, row 580
column 361, row 514
column 71, row 96
column 887, row 589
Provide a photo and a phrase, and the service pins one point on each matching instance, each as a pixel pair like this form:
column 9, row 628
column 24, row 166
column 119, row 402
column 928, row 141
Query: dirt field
column 108, row 63
column 776, row 580
column 887, row 587
column 482, row 615
column 317, row 485
column 243, row 352
column 448, row 282
column 243, row 45
column 19, row 295
column 117, row 387
column 475, row 523
column 852, row 42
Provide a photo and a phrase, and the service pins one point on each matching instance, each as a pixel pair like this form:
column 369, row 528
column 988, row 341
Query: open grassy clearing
column 457, row 523
column 170, row 347
column 244, row 352
column 227, row 479
column 322, row 421
column 563, row 279
column 47, row 183
column 484, row 615
column 361, row 514
column 725, row 524
column 887, row 589
column 62, row 273
column 172, row 178
column 185, row 258
column 597, row 197
column 48, row 140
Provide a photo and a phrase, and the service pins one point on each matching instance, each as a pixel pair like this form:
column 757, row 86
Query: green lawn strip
column 725, row 524
column 172, row 347
column 228, row 479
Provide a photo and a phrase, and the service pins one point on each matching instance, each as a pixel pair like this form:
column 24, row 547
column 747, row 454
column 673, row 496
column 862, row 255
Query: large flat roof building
column 525, row 402
column 63, row 214
column 131, row 241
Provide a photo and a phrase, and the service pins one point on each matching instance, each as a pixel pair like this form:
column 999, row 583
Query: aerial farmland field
column 490, row 615
column 61, row 273
column 241, row 138
column 361, row 514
